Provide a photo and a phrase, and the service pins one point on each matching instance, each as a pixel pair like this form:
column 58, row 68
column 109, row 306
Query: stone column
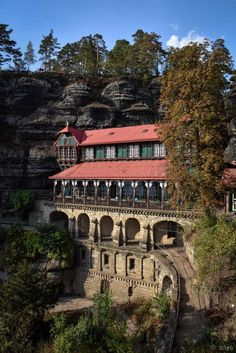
column 148, row 185
column 134, row 185
column 108, row 184
column 71, row 226
column 117, row 233
column 85, row 183
column 96, row 184
column 54, row 190
column 145, row 234
column 63, row 183
column 94, row 233
column 163, row 185
column 121, row 184
column 73, row 190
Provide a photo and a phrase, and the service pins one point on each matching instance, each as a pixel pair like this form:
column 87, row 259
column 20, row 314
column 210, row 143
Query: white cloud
column 177, row 42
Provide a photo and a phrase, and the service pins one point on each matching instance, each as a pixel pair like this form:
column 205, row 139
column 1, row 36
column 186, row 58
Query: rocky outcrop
column 34, row 107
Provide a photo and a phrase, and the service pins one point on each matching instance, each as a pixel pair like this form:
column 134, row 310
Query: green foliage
column 194, row 85
column 7, row 45
column 27, row 245
column 24, row 299
column 211, row 342
column 214, row 247
column 29, row 55
column 120, row 59
column 48, row 50
column 162, row 305
column 103, row 331
column 23, row 203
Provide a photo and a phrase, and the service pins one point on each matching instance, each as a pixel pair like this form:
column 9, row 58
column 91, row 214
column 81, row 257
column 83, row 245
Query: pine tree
column 29, row 56
column 48, row 50
column 7, row 45
column 195, row 125
column 148, row 54
column 120, row 59
column 67, row 58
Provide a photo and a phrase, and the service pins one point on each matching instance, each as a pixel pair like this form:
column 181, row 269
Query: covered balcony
column 117, row 193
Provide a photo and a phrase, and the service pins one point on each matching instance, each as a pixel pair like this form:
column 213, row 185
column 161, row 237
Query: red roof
column 229, row 177
column 116, row 170
column 113, row 135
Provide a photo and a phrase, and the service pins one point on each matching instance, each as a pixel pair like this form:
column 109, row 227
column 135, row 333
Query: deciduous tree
column 194, row 85
column 29, row 56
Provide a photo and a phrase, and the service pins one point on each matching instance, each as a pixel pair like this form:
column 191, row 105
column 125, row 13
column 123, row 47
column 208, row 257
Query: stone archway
column 167, row 233
column 132, row 228
column 83, row 225
column 59, row 219
column 106, row 228
column 167, row 285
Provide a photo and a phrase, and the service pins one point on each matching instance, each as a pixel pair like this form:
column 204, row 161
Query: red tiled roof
column 115, row 135
column 77, row 133
column 229, row 177
column 116, row 170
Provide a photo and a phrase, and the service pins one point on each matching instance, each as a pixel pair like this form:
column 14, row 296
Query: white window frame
column 156, row 150
column 133, row 151
column 88, row 153
column 110, row 152
column 233, row 202
column 162, row 150
column 68, row 153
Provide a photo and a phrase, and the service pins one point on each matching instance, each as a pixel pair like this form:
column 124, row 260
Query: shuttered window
column 100, row 153
column 122, row 151
column 146, row 150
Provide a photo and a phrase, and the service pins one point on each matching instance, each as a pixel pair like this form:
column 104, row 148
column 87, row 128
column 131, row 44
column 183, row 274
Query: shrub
column 162, row 305
column 23, row 203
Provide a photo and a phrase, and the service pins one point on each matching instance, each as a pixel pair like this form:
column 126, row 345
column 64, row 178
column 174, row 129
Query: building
column 111, row 195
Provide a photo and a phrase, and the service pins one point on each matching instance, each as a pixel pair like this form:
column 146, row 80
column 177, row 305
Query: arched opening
column 90, row 189
column 167, row 233
column 132, row 228
column 83, row 226
column 59, row 219
column 155, row 195
column 167, row 285
column 79, row 190
column 114, row 190
column 68, row 189
column 140, row 191
column 106, row 228
column 102, row 192
column 58, row 189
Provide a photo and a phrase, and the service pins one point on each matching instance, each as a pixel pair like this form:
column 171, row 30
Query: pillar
column 63, row 183
column 121, row 184
column 54, row 190
column 96, row 183
column 108, row 184
column 71, row 227
column 73, row 190
column 85, row 183
column 148, row 185
column 117, row 233
column 163, row 185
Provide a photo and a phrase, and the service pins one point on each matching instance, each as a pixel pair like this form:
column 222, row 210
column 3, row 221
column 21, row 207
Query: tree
column 148, row 54
column 67, row 57
column 104, row 331
column 7, row 45
column 195, row 125
column 120, row 59
column 48, row 50
column 23, row 203
column 24, row 299
column 29, row 56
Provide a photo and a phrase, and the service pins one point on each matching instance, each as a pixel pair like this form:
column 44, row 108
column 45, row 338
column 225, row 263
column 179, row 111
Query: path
column 191, row 321
column 72, row 304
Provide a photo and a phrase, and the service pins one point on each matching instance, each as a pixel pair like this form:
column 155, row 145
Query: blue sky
column 177, row 21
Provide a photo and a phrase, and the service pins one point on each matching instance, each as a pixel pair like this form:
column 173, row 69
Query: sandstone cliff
column 34, row 107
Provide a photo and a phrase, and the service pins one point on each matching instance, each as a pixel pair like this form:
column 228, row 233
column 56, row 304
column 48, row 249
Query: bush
column 23, row 203
column 162, row 305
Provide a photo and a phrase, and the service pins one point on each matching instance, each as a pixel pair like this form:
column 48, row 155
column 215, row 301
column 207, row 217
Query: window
column 106, row 260
column 146, row 150
column 162, row 150
column 102, row 190
column 73, row 153
column 130, row 291
column 127, row 190
column 100, row 152
column 122, row 151
column 110, row 152
column 62, row 152
column 133, row 151
column 233, row 202
column 159, row 150
column 131, row 264
column 89, row 153
column 68, row 153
